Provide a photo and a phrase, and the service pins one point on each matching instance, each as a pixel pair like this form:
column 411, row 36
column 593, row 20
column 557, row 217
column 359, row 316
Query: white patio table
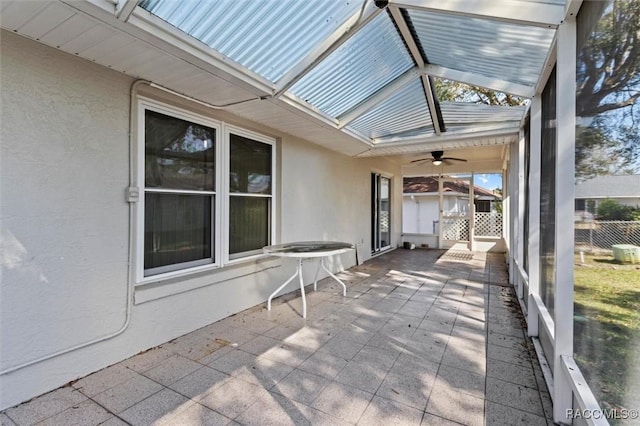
column 306, row 250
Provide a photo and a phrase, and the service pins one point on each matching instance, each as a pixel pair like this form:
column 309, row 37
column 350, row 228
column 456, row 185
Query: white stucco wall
column 64, row 222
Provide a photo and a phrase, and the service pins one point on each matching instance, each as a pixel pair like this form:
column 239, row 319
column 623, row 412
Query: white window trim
column 227, row 131
column 221, row 191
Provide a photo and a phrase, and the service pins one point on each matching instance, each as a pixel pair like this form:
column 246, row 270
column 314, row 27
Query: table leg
column 344, row 287
column 304, row 299
column 298, row 272
column 315, row 281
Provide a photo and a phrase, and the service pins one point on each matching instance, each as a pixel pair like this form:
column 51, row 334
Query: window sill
column 151, row 289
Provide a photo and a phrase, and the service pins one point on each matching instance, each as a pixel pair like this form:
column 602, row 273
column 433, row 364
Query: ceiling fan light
column 437, row 162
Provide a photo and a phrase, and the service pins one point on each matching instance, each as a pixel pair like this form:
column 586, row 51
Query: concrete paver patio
column 422, row 337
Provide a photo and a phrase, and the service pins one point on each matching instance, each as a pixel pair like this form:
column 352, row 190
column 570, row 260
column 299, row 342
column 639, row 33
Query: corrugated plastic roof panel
column 463, row 113
column 405, row 110
column 367, row 62
column 491, row 48
column 268, row 36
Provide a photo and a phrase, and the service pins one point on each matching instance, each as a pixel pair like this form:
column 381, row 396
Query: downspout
column 129, row 301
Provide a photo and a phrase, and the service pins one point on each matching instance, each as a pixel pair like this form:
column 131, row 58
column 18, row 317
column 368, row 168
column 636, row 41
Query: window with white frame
column 250, row 194
column 208, row 194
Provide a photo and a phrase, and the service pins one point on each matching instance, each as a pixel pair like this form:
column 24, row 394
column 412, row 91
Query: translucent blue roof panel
column 268, row 36
column 500, row 50
column 467, row 113
column 368, row 61
column 404, row 111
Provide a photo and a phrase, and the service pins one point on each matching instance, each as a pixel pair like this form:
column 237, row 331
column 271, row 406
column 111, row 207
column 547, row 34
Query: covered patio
column 423, row 337
column 151, row 150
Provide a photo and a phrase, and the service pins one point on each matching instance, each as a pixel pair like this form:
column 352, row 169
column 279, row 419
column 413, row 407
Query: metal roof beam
column 378, row 97
column 512, row 11
column 124, row 9
column 405, row 32
column 455, row 135
column 480, row 80
column 328, row 46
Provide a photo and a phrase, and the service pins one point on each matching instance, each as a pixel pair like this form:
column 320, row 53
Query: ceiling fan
column 439, row 159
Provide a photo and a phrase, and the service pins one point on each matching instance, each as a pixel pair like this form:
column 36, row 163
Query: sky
column 488, row 181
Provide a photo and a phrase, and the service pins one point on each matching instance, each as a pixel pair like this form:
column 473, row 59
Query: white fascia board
column 328, row 46
column 378, row 97
column 473, row 79
column 512, row 11
column 419, row 194
column 190, row 46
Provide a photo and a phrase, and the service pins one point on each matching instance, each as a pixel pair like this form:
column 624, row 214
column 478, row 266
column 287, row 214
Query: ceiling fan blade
column 454, row 159
column 421, row 159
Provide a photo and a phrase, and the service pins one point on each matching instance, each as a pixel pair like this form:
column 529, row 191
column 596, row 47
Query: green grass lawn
column 607, row 329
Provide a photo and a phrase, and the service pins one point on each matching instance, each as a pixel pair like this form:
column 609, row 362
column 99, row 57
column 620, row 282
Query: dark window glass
column 249, row 215
column 249, row 166
column 548, row 193
column 249, row 223
column 177, row 229
column 178, row 154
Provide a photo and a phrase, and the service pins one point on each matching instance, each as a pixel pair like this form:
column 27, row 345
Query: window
column 250, row 195
column 194, row 215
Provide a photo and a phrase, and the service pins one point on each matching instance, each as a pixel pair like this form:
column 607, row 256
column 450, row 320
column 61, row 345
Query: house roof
column 429, row 184
column 348, row 75
column 612, row 186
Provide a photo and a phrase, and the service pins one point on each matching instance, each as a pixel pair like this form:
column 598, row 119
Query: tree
column 612, row 210
column 608, row 90
column 609, row 60
column 454, row 91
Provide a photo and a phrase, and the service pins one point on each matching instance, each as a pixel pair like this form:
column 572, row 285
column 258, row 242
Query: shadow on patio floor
column 422, row 337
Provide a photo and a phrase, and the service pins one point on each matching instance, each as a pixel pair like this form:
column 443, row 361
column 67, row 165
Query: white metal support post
column 564, row 229
column 535, row 139
column 513, row 208
column 520, row 209
column 472, row 213
column 440, row 213
column 506, row 215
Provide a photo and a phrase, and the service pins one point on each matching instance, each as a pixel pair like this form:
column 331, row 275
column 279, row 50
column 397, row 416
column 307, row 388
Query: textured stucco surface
column 64, row 167
column 64, row 226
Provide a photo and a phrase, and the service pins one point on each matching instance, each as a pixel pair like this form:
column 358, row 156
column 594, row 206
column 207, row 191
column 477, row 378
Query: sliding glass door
column 380, row 212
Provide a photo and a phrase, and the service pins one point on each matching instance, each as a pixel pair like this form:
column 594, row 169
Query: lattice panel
column 488, row 224
column 455, row 229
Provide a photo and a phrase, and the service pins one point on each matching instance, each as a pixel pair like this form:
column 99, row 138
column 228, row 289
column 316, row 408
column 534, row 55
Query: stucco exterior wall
column 64, row 222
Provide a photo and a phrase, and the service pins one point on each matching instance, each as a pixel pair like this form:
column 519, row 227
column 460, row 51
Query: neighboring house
column 420, row 202
column 624, row 189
